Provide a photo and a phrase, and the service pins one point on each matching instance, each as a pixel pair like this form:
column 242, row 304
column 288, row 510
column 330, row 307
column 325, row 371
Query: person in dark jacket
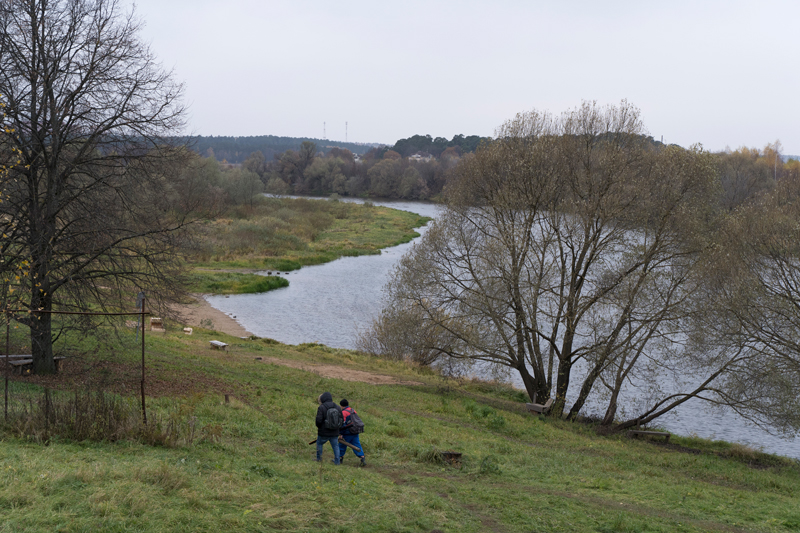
column 348, row 435
column 325, row 433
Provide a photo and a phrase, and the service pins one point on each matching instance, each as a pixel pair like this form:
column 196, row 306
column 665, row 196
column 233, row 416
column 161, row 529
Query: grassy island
column 283, row 234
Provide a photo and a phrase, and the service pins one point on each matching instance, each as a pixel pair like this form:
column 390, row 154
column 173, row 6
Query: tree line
column 413, row 169
column 236, row 149
column 407, row 171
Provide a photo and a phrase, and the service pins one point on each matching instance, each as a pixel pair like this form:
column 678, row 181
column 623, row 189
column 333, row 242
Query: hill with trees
column 237, row 149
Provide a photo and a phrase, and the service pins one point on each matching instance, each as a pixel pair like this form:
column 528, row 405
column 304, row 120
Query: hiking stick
column 342, row 441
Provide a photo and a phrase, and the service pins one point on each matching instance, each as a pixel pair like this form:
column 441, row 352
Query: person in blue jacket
column 349, row 436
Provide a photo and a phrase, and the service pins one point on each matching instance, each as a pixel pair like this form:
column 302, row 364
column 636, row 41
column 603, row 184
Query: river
column 331, row 303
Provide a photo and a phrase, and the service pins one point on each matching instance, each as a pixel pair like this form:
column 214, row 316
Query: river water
column 331, row 303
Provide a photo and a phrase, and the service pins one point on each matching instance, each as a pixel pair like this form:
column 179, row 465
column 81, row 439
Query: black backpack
column 356, row 424
column 333, row 418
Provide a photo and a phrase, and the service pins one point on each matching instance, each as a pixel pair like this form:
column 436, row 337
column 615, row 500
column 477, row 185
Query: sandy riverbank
column 200, row 311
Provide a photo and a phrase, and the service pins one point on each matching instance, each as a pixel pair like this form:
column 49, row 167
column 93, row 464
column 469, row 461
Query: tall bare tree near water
column 568, row 250
column 751, row 309
column 89, row 209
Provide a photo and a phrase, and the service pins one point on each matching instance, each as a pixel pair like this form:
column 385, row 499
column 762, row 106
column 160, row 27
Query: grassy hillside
column 246, row 465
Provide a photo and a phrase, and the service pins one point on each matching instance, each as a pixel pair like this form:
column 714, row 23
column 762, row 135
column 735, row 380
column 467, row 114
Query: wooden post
column 8, row 353
column 144, row 410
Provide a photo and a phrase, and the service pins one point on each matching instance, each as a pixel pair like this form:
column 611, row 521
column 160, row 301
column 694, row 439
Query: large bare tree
column 569, row 250
column 89, row 211
column 751, row 309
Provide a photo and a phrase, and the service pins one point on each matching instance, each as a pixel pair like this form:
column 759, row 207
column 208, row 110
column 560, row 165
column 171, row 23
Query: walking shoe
column 363, row 461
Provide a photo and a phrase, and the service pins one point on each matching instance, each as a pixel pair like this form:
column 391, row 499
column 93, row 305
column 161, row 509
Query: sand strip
column 200, row 310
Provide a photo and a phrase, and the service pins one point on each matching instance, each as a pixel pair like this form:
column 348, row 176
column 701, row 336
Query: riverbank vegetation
column 245, row 464
column 573, row 250
column 284, row 234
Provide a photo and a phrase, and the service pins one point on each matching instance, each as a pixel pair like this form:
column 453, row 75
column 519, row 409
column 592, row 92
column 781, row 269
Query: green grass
column 250, row 468
column 234, row 282
column 286, row 234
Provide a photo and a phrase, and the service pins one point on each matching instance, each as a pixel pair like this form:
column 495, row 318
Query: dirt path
column 340, row 372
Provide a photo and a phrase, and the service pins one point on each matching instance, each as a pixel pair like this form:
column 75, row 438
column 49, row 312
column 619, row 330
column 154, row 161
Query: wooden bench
column 23, row 367
column 637, row 432
column 23, row 364
column 218, row 345
column 537, row 408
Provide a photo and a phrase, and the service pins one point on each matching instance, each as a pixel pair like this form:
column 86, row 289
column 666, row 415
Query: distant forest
column 416, row 168
column 236, row 149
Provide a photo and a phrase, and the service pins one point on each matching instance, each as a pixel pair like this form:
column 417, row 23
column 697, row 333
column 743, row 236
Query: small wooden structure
column 23, row 364
column 218, row 345
column 539, row 409
column 156, row 324
column 188, row 331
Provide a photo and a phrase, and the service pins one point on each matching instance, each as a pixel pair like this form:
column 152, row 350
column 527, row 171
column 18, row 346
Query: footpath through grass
column 249, row 466
column 282, row 234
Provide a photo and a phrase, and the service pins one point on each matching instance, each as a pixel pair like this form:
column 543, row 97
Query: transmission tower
column 345, row 132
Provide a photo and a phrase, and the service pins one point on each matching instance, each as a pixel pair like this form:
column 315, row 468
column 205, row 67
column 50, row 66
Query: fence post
column 8, row 357
column 144, row 410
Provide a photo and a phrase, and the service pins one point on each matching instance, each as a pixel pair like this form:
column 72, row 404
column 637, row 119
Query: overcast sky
column 720, row 73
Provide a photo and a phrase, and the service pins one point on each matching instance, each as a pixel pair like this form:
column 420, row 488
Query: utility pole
column 324, row 135
column 775, row 147
column 345, row 132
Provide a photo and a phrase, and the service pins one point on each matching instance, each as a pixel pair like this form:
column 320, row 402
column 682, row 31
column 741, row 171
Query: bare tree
column 743, row 176
column 751, row 310
column 570, row 244
column 90, row 207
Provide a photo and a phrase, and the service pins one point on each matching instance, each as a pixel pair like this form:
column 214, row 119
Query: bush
column 96, row 416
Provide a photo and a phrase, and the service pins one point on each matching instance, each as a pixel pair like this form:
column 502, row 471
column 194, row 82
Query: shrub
column 96, row 416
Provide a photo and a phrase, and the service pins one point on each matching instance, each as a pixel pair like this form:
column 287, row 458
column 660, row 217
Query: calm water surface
column 330, row 303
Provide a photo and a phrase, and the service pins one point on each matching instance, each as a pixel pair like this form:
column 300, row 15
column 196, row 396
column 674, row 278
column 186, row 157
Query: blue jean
column 352, row 438
column 334, row 444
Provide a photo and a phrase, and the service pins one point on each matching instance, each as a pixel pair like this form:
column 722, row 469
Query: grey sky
column 718, row 73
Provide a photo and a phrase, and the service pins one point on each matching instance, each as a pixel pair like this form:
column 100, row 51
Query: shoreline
column 200, row 310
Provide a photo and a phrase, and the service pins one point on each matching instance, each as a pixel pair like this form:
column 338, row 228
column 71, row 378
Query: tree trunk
column 529, row 381
column 41, row 326
column 562, row 384
column 586, row 388
column 611, row 411
column 42, row 343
